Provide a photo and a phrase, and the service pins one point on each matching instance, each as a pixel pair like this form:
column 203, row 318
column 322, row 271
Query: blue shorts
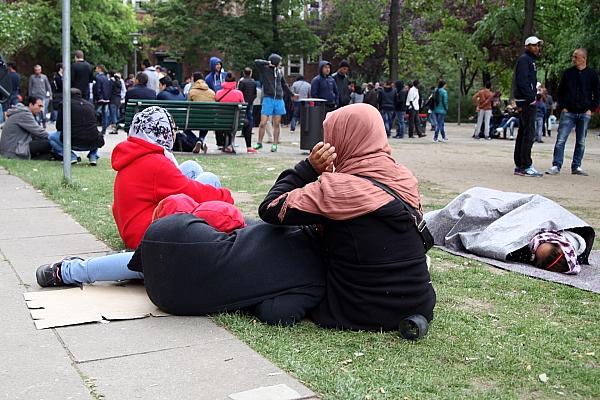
column 272, row 106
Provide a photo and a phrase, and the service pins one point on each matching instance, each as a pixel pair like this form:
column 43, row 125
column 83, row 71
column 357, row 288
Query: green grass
column 493, row 335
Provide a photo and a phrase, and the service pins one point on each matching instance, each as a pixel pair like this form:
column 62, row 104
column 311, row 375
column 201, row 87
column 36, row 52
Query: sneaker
column 444, row 140
column 93, row 162
column 488, row 138
column 553, row 171
column 422, row 135
column 519, row 171
column 251, row 150
column 435, row 140
column 74, row 161
column 258, row 146
column 579, row 171
column 532, row 172
column 511, row 137
column 48, row 275
column 197, row 147
column 273, row 148
column 499, row 130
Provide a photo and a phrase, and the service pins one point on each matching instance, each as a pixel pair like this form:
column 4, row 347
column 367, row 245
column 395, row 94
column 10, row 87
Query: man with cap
column 274, row 85
column 578, row 95
column 524, row 93
column 342, row 83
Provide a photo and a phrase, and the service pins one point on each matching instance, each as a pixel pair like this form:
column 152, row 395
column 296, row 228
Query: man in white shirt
column 413, row 105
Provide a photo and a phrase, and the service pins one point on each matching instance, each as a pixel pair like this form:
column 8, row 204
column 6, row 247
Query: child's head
column 553, row 252
column 549, row 256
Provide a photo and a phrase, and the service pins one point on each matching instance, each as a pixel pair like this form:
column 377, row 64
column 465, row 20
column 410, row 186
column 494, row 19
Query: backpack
column 430, row 103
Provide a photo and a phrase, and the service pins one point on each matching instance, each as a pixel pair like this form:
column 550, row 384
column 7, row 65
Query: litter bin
column 312, row 114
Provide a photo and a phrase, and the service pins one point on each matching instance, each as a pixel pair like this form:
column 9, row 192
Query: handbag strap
column 418, row 219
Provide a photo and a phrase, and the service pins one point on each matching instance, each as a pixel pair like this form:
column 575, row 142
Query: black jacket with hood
column 273, row 82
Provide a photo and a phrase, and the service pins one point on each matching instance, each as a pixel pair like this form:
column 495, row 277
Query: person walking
column 483, row 102
column 274, row 86
column 524, row 86
column 387, row 108
column 57, row 85
column 440, row 99
column 39, row 86
column 400, row 105
column 102, row 95
column 578, row 95
column 342, row 83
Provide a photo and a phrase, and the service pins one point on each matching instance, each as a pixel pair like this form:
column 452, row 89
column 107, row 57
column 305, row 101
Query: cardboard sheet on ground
column 95, row 303
column 587, row 279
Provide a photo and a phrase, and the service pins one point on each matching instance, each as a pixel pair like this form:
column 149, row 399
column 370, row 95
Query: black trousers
column 414, row 123
column 40, row 149
column 525, row 137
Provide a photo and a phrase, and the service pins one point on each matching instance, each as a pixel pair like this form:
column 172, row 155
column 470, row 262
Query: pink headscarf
column 358, row 135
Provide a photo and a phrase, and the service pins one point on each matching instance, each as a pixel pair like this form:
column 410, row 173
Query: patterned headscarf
column 555, row 237
column 157, row 126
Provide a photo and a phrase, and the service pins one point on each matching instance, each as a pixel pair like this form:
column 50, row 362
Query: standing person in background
column 274, row 86
column 217, row 76
column 342, row 83
column 357, row 96
column 39, row 86
column 413, row 104
column 15, row 81
column 524, row 86
column 116, row 89
column 57, row 85
column 578, row 95
column 430, row 104
column 440, row 99
column 483, row 102
column 152, row 75
column 323, row 86
column 301, row 90
column 400, row 107
column 387, row 100
column 102, row 95
column 247, row 85
column 229, row 94
column 540, row 113
column 371, row 96
column 81, row 75
column 549, row 111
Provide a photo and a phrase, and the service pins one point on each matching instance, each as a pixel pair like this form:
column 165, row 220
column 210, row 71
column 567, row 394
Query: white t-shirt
column 413, row 96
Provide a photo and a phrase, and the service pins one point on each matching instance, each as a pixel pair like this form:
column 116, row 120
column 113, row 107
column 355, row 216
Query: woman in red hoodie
column 229, row 94
column 147, row 172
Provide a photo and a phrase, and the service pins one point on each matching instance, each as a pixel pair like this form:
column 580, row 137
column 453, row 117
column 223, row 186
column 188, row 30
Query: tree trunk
column 274, row 14
column 393, row 39
column 529, row 18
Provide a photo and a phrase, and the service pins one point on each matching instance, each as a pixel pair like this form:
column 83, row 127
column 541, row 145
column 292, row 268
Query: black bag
column 419, row 221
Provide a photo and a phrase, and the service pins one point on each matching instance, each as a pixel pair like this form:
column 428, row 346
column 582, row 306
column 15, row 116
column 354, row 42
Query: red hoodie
column 229, row 94
column 145, row 177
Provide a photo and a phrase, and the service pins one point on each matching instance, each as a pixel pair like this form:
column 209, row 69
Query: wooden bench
column 211, row 116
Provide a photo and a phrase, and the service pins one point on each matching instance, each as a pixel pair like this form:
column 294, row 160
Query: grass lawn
column 496, row 335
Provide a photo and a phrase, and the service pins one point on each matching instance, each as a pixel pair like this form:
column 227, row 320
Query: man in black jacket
column 81, row 75
column 524, row 86
column 84, row 133
column 247, row 85
column 342, row 83
column 578, row 95
column 139, row 90
column 400, row 106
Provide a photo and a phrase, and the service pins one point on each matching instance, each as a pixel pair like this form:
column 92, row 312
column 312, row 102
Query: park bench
column 195, row 115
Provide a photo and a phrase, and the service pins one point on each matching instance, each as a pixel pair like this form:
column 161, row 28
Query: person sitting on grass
column 376, row 266
column 147, row 172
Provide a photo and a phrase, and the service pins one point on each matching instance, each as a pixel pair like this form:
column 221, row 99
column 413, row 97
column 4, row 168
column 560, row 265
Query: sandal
column 229, row 149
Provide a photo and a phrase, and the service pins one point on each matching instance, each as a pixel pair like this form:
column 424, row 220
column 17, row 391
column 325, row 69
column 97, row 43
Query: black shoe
column 48, row 275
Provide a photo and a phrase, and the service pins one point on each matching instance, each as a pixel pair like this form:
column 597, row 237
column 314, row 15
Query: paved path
column 151, row 358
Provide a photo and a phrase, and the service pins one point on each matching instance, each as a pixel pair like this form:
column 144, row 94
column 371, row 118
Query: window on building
column 295, row 65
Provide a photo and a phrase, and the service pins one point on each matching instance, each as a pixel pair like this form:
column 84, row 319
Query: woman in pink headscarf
column 377, row 272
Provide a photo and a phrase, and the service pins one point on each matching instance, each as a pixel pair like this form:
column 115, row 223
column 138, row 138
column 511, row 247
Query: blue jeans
column 388, row 117
column 57, row 148
column 113, row 267
column 568, row 121
column 104, row 108
column 114, row 113
column 439, row 126
column 400, row 123
column 432, row 120
column 295, row 116
column 539, row 127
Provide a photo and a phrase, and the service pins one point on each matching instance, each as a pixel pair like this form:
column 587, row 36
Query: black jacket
column 342, row 83
column 275, row 272
column 376, row 268
column 248, row 88
column 274, row 84
column 525, row 79
column 140, row 92
column 579, row 90
column 401, row 95
column 84, row 132
column 387, row 99
column 81, row 76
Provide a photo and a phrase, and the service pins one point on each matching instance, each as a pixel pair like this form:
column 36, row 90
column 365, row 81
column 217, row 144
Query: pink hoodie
column 229, row 94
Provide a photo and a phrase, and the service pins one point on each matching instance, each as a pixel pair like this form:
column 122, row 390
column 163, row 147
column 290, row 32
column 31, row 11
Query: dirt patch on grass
column 481, row 385
column 472, row 305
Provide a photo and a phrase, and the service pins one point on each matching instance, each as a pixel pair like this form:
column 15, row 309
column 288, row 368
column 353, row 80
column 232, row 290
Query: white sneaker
column 553, row 171
column 499, row 130
column 435, row 140
column 511, row 137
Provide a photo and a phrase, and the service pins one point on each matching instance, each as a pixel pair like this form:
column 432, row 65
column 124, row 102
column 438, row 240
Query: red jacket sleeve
column 169, row 180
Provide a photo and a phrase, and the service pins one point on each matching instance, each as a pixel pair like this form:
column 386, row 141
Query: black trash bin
column 312, row 114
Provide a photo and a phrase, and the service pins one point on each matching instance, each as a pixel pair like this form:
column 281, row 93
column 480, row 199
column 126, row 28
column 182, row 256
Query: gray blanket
column 490, row 224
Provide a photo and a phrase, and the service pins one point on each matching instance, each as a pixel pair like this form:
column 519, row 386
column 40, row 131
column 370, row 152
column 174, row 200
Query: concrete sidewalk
column 150, row 358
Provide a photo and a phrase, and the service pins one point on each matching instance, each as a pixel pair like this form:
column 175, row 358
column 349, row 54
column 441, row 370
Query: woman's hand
column 321, row 157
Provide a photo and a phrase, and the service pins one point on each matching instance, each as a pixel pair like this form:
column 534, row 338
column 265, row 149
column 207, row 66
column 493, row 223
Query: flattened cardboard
column 95, row 303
